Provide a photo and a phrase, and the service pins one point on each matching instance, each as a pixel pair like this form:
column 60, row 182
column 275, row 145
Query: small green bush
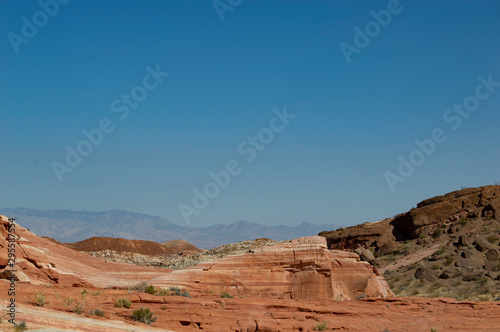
column 97, row 293
column 40, row 299
column 177, row 291
column 67, row 301
column 123, row 303
column 437, row 233
column 20, row 327
column 78, row 309
column 151, row 290
column 97, row 312
column 492, row 239
column 321, row 327
column 226, row 295
column 144, row 315
column 163, row 292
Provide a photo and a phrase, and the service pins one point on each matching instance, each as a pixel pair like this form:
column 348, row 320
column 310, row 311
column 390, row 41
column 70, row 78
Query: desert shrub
column 163, row 292
column 78, row 309
column 144, row 315
column 185, row 294
column 437, row 233
column 448, row 262
column 433, row 330
column 226, row 295
column 97, row 312
column 491, row 239
column 174, row 290
column 123, row 303
column 151, row 290
column 441, row 250
column 463, row 221
column 177, row 291
column 321, row 327
column 40, row 299
column 20, row 327
column 435, row 267
column 97, row 293
column 141, row 287
column 67, row 302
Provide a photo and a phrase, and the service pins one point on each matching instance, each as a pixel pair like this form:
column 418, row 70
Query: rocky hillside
column 446, row 246
column 181, row 259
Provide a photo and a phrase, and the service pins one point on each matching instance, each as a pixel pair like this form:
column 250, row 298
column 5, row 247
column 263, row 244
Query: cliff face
column 447, row 246
column 463, row 205
column 299, row 269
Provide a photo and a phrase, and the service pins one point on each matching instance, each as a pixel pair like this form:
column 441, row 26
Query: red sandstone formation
column 136, row 246
column 300, row 269
column 41, row 261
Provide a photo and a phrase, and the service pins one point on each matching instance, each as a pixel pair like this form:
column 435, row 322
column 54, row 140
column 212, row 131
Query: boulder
column 492, row 255
column 481, row 244
column 424, row 273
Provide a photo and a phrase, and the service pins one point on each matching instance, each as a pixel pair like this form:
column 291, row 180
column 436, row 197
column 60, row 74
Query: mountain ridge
column 73, row 226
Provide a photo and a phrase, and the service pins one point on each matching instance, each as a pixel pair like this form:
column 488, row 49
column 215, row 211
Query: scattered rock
column 471, row 277
column 481, row 244
column 491, row 266
column 367, row 256
column 467, row 253
column 492, row 255
column 424, row 273
column 463, row 241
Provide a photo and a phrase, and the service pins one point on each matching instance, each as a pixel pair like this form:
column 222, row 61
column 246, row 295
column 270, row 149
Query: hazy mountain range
column 72, row 226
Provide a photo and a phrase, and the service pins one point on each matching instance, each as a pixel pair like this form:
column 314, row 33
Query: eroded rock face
column 41, row 261
column 303, row 268
column 430, row 214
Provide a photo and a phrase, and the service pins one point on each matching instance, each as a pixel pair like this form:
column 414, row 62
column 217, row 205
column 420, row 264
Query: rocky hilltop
column 447, row 246
column 142, row 247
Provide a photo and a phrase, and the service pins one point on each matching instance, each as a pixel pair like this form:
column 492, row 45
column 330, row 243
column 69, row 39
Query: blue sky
column 328, row 165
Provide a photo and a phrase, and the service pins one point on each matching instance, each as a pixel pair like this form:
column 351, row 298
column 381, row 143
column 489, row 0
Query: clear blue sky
column 327, row 166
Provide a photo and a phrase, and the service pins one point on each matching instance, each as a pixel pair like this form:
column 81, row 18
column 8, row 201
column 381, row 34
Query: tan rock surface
column 299, row 269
